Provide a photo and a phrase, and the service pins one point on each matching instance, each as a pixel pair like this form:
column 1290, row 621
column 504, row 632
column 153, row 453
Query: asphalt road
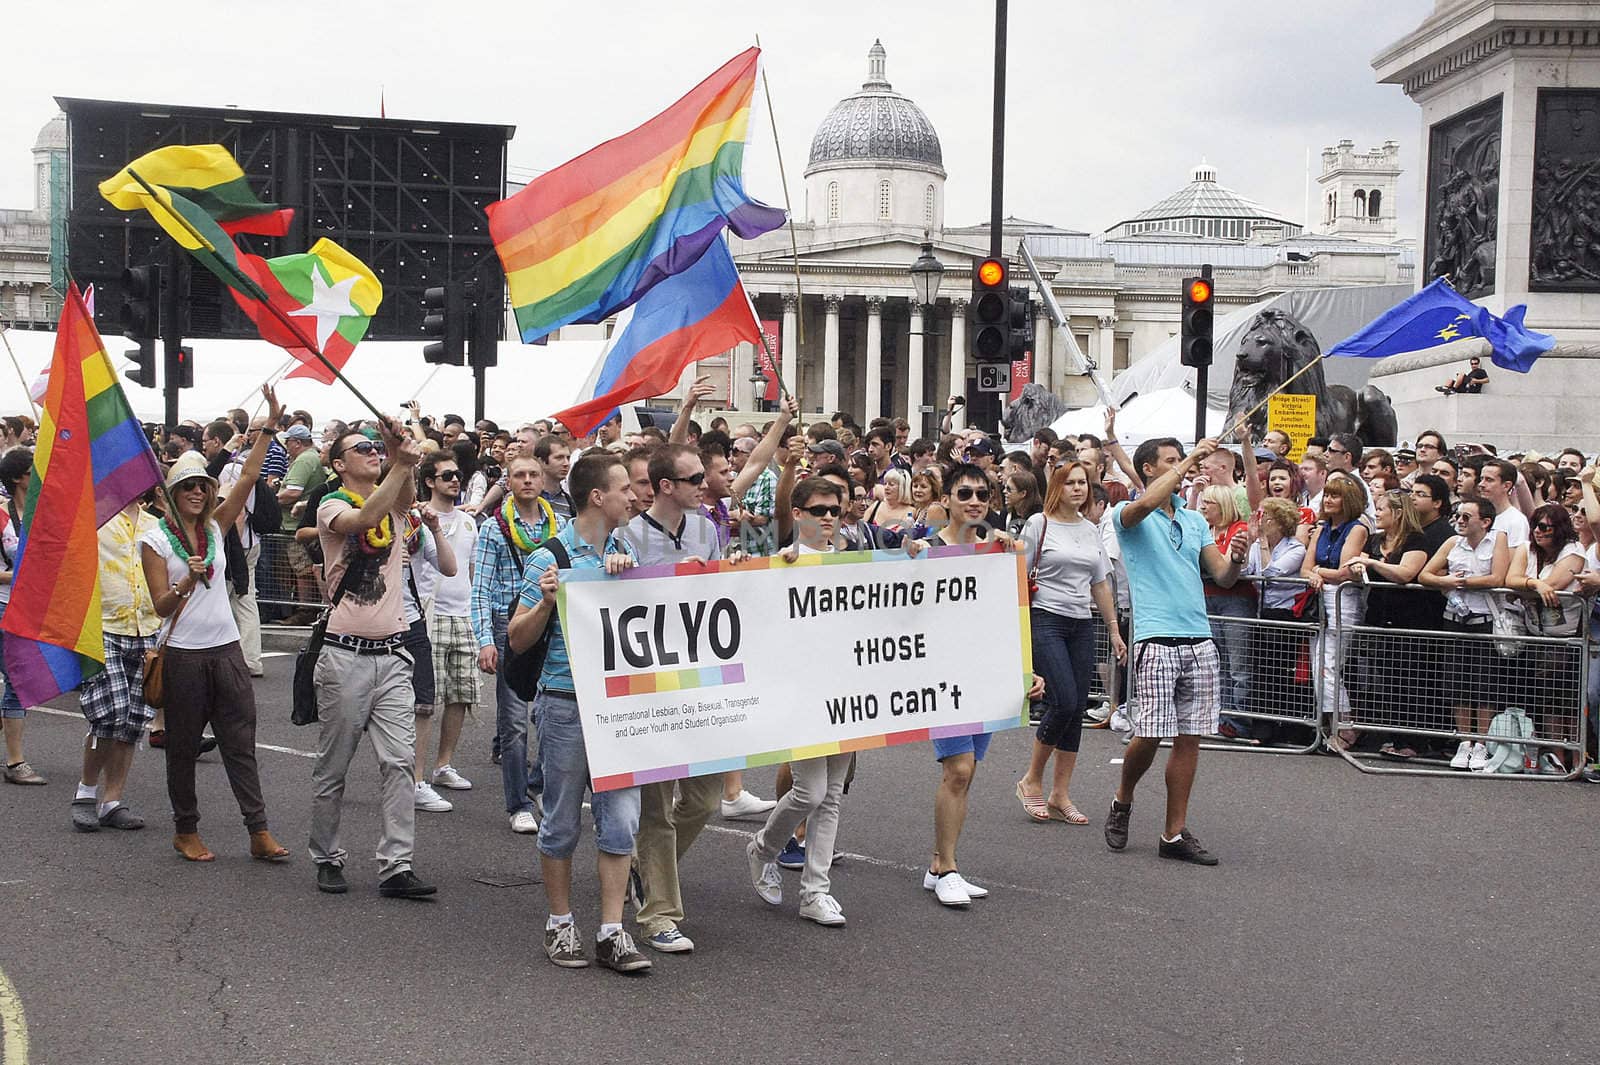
column 1352, row 919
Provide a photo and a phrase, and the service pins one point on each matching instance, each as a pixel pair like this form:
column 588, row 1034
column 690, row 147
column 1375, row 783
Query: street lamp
column 926, row 273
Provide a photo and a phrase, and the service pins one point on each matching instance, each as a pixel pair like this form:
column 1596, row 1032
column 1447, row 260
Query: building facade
column 33, row 239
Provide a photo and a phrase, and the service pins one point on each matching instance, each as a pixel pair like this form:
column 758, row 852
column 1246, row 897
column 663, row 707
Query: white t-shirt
column 1113, row 549
column 452, row 596
column 1514, row 524
column 229, row 477
column 657, row 546
column 8, row 540
column 1069, row 561
column 207, row 618
column 421, row 570
column 1466, row 561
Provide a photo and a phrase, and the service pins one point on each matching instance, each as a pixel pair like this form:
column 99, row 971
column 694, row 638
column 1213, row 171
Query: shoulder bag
column 155, row 660
column 304, row 711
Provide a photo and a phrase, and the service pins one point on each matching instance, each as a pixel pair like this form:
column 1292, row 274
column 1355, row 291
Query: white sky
column 1107, row 109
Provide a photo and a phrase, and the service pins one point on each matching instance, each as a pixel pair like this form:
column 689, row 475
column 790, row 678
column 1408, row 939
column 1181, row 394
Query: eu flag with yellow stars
column 1439, row 314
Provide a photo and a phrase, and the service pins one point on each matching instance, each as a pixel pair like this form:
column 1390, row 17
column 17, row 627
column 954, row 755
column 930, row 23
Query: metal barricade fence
column 1431, row 690
column 285, row 576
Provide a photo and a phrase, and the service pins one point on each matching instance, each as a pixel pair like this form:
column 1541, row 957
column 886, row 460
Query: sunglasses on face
column 447, row 475
column 966, row 494
column 824, row 510
column 367, row 447
column 1338, row 451
column 1543, row 526
column 694, row 479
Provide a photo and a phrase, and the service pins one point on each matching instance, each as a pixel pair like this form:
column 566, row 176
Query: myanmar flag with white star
column 329, row 294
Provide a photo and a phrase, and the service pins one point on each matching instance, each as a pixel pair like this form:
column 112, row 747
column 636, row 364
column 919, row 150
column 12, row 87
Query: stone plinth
column 1547, row 409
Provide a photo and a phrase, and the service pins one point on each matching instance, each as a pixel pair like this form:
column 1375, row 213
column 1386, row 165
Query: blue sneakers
column 793, row 855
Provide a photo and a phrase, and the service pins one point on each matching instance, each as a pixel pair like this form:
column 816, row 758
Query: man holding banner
column 601, row 496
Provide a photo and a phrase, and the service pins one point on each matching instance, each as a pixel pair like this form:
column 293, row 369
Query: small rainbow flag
column 91, row 460
column 593, row 235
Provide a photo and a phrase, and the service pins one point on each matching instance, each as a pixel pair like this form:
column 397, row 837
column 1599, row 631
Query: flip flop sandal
column 1070, row 814
column 1033, row 805
column 263, row 848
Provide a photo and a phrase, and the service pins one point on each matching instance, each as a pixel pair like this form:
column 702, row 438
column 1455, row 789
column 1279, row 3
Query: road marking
column 275, row 654
column 13, row 1025
column 73, row 715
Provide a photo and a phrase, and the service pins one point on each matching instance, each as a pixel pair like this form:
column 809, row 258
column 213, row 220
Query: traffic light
column 1019, row 334
column 181, row 369
column 991, row 311
column 143, row 373
column 483, row 342
column 1198, row 296
column 445, row 318
column 141, row 303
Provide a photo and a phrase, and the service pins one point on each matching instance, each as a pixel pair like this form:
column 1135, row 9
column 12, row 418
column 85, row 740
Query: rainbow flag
column 592, row 236
column 91, row 460
column 689, row 316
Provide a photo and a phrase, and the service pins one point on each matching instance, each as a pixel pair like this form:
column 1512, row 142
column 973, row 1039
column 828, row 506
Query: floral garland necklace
column 373, row 541
column 179, row 545
column 508, row 516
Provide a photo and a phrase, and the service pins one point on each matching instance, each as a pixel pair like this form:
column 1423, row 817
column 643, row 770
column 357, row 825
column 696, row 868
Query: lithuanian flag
column 205, row 175
column 595, row 234
column 329, row 293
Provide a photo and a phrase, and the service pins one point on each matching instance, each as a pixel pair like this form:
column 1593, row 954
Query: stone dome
column 876, row 126
column 52, row 135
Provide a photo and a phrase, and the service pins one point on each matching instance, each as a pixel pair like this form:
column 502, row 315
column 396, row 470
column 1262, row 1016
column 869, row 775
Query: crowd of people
column 1223, row 583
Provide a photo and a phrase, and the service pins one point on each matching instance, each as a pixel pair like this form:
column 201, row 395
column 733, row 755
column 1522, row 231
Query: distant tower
column 1358, row 191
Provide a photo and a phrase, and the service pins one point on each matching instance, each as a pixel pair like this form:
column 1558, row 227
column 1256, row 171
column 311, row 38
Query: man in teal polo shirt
column 1176, row 681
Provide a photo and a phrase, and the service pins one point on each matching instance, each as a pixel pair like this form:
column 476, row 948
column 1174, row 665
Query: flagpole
column 260, row 297
column 794, row 243
column 772, row 361
column 15, row 366
column 1234, row 428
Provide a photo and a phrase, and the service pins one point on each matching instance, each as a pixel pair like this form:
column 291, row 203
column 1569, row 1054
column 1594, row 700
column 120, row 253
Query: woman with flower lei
column 205, row 675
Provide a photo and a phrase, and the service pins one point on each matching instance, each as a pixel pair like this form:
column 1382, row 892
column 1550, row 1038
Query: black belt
column 363, row 646
column 1177, row 641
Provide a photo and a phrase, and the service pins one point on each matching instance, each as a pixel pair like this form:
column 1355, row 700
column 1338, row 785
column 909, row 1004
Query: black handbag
column 304, row 711
column 522, row 669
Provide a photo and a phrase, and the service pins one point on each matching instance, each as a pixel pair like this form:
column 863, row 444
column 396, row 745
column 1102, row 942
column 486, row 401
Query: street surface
column 1353, row 919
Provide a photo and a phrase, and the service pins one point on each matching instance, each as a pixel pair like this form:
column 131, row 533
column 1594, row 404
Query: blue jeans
column 566, row 765
column 10, row 705
column 1233, row 647
column 1063, row 654
column 512, row 718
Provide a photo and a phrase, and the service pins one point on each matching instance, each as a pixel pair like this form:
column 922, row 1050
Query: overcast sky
column 1111, row 102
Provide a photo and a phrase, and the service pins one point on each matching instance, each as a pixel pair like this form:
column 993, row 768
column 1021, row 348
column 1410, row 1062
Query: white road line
column 75, row 716
column 13, row 1025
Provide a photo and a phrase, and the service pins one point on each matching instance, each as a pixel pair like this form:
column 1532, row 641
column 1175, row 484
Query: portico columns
column 830, row 354
column 873, row 407
column 791, row 314
column 914, row 372
column 958, row 360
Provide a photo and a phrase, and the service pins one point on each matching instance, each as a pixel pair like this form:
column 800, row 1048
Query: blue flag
column 1439, row 314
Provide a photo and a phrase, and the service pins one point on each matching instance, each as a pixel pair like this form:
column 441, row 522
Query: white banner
column 688, row 670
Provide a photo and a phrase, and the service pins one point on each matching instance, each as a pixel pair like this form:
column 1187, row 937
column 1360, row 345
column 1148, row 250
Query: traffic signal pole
column 998, row 166
column 171, row 331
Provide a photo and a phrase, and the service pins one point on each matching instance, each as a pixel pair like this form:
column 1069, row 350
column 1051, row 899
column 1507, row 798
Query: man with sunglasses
column 505, row 541
column 1176, row 691
column 1344, row 451
column 363, row 675
column 673, row 529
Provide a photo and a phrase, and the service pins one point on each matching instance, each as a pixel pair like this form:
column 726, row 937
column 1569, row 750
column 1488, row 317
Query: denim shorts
column 976, row 745
column 566, row 781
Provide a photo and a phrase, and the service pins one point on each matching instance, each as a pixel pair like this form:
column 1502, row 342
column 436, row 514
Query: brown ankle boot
column 189, row 845
column 267, row 849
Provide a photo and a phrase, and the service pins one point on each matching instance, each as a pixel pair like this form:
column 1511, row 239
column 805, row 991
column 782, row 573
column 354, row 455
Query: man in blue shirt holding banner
column 1176, row 686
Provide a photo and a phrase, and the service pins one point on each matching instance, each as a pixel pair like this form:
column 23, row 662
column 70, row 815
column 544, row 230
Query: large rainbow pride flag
column 91, row 460
column 592, row 236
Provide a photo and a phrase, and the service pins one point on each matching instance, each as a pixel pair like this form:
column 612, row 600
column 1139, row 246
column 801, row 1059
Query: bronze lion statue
column 1273, row 348
column 1036, row 408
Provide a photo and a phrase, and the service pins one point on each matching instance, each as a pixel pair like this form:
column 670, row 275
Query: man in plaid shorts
column 1176, row 673
column 113, row 699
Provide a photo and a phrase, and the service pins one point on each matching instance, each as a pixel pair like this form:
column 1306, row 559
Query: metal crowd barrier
column 1430, row 688
column 284, row 577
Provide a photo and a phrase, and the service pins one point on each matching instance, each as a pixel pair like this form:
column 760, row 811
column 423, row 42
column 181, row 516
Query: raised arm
column 394, row 492
column 228, row 510
column 701, row 389
column 1252, row 483
column 1118, row 455
column 756, row 464
column 782, row 511
column 1162, row 488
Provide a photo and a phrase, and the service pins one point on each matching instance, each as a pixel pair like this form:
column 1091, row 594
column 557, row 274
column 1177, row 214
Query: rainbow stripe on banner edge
column 820, row 750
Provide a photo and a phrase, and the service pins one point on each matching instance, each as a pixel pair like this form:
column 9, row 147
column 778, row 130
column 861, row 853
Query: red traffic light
column 991, row 272
column 1199, row 290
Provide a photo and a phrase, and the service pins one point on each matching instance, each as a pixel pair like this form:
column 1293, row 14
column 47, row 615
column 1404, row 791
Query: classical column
column 874, row 398
column 1107, row 359
column 958, row 360
column 1044, row 368
column 914, row 372
column 791, row 316
column 743, row 360
column 830, row 353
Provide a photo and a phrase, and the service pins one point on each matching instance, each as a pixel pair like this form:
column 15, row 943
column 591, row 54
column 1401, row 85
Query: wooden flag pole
column 1246, row 416
column 794, row 243
column 248, row 285
column 27, row 393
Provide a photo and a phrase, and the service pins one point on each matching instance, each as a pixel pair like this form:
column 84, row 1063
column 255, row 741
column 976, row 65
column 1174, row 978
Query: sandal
column 188, row 844
column 1068, row 813
column 266, row 849
column 1399, row 754
column 1033, row 805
